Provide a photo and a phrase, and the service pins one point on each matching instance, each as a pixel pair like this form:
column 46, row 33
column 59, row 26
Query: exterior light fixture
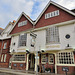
column 42, row 51
column 68, row 45
column 27, row 51
column 39, row 52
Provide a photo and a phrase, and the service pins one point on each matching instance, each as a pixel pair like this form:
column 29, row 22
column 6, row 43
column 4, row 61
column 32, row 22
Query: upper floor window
column 5, row 44
column 52, row 14
column 22, row 23
column 65, row 58
column 52, row 35
column 22, row 40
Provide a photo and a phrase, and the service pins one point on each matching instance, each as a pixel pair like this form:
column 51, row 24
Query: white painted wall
column 41, row 40
column 67, row 29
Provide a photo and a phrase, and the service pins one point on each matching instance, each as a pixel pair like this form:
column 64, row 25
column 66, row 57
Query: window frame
column 5, row 45
column 52, row 35
column 5, row 56
column 42, row 55
column 18, row 57
column 21, row 40
column 50, row 58
column 66, row 61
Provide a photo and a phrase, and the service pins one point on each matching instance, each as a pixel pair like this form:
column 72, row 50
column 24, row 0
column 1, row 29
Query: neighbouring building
column 47, row 42
column 5, row 41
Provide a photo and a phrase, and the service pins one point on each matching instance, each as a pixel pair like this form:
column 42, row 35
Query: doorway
column 31, row 62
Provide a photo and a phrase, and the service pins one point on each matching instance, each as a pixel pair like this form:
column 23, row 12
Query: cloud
column 10, row 10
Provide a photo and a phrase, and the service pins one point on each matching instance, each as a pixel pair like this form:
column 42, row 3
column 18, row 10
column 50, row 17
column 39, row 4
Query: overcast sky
column 11, row 9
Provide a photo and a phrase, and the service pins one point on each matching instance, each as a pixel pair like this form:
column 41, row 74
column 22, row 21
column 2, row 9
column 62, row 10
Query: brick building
column 5, row 41
column 47, row 42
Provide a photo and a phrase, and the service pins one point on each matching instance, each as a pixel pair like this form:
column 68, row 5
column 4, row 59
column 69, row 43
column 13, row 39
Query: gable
column 62, row 17
column 19, row 28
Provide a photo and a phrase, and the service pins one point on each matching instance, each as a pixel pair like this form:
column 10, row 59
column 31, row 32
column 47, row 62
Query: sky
column 11, row 9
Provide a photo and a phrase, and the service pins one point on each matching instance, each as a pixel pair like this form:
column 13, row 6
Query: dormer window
column 22, row 23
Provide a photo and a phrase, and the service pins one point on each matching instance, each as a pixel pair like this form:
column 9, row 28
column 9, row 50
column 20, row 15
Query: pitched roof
column 59, row 6
column 31, row 21
column 73, row 10
column 1, row 29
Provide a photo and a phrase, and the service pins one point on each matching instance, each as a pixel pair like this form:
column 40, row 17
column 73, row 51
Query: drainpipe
column 1, row 48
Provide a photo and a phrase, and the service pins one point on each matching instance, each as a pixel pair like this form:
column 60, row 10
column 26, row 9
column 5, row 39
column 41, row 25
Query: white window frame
column 52, row 35
column 67, row 57
column 21, row 40
column 2, row 57
column 43, row 58
column 52, row 14
column 5, row 45
column 18, row 57
column 22, row 23
column 5, row 57
column 49, row 59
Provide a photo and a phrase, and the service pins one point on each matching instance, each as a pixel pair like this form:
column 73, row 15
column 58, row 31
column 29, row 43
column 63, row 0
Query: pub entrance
column 31, row 62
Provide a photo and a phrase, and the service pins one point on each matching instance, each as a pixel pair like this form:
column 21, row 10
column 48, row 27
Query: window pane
column 52, row 35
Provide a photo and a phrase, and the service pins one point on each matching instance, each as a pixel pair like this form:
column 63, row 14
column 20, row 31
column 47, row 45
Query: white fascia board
column 58, row 24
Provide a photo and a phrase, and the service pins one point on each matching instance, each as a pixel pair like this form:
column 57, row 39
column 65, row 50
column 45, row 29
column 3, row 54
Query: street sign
column 65, row 69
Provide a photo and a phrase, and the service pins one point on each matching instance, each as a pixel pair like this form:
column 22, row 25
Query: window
column 5, row 44
column 22, row 23
column 52, row 35
column 52, row 14
column 65, row 58
column 22, row 40
column 43, row 58
column 2, row 58
column 51, row 59
column 5, row 57
column 19, row 57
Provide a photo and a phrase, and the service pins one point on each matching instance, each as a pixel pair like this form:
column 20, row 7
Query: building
column 48, row 41
column 5, row 46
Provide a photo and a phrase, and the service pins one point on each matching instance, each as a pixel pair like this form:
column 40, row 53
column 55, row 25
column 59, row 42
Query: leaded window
column 51, row 59
column 43, row 58
column 19, row 57
column 65, row 58
column 22, row 40
column 52, row 35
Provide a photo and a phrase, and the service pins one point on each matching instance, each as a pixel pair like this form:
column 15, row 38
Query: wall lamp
column 27, row 52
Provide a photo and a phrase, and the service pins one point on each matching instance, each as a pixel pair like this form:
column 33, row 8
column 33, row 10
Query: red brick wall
column 22, row 28
column 64, row 16
column 18, row 66
column 5, row 51
column 5, row 64
column 71, row 69
column 8, row 41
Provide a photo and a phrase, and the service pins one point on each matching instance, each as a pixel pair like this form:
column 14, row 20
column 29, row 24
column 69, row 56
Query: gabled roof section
column 59, row 6
column 7, row 26
column 1, row 29
column 26, row 16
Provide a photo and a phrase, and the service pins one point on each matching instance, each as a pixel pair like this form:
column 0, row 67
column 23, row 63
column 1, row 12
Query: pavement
column 7, row 71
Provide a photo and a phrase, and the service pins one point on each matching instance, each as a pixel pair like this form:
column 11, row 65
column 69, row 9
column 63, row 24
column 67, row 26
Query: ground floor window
column 19, row 57
column 43, row 58
column 50, row 59
column 65, row 58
